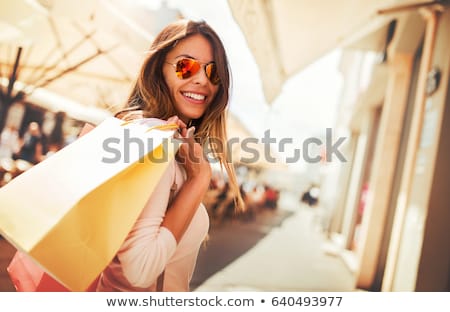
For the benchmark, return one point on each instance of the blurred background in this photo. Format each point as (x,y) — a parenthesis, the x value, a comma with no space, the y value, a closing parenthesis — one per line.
(351,191)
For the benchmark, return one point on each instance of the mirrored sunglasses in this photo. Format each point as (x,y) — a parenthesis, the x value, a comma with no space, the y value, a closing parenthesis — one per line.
(187,67)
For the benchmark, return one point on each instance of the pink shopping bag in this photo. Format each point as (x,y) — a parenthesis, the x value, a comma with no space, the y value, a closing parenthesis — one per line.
(26,275)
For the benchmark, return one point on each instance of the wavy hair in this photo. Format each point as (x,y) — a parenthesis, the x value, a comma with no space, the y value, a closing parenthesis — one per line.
(151,93)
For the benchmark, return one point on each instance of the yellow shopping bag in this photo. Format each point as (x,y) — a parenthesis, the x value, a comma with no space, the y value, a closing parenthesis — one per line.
(72,211)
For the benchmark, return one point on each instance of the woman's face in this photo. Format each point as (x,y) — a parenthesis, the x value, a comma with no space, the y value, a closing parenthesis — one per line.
(192,95)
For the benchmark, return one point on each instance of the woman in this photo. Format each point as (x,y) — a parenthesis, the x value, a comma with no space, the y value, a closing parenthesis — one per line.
(185,80)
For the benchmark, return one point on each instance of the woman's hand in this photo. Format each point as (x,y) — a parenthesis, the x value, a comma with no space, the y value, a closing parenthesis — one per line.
(191,155)
(182,128)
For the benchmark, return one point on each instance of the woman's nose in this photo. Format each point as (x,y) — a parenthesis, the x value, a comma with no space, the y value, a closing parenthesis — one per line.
(200,77)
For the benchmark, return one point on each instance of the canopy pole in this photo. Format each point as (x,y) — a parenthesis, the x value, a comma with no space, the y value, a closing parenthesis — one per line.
(13,76)
(8,99)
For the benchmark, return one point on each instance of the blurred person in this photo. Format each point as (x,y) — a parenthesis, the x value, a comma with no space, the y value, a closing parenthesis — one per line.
(32,146)
(56,138)
(9,142)
(271,196)
(311,196)
(256,197)
(184,79)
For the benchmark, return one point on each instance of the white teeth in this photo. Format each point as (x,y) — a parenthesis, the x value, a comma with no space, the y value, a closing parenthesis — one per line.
(194,96)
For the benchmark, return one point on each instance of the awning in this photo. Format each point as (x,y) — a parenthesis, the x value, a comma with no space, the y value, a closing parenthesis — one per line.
(287,35)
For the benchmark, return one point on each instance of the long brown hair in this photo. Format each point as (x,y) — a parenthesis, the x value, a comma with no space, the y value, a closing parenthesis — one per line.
(151,93)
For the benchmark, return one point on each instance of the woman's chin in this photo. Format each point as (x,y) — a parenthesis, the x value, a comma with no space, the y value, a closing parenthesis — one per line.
(193,115)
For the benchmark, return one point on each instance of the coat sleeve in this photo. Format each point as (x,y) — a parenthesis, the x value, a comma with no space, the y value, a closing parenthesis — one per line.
(149,246)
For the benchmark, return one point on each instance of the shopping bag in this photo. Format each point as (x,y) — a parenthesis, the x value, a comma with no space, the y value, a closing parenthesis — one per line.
(28,276)
(71,212)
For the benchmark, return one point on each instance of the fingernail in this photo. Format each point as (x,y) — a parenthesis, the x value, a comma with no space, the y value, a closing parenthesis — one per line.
(190,132)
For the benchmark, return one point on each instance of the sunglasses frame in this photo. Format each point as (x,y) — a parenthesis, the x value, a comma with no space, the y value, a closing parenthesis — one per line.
(204,65)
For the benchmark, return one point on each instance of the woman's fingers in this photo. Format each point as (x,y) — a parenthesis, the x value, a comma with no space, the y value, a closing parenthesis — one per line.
(176,120)
(173,119)
(190,154)
(190,133)
(181,134)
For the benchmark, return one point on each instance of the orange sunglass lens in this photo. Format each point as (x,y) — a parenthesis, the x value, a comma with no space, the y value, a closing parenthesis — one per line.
(211,73)
(186,68)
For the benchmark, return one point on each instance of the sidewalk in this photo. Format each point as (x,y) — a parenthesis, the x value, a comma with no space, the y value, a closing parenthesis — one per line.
(291,257)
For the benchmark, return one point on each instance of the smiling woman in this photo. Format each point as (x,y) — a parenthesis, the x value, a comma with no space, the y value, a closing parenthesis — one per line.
(184,80)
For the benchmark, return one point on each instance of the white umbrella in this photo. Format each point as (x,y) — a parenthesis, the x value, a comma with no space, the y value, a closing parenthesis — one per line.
(87,51)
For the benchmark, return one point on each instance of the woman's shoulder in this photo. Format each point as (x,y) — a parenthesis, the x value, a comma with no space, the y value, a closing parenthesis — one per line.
(130,113)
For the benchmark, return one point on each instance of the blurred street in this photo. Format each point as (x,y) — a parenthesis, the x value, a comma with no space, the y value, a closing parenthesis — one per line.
(278,250)
(288,252)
